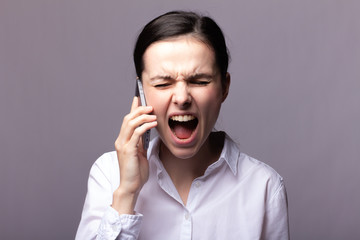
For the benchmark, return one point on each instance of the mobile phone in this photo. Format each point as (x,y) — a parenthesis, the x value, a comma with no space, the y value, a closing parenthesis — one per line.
(139,92)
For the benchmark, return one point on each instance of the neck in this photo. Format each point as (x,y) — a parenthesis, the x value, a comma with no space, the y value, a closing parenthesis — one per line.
(183,171)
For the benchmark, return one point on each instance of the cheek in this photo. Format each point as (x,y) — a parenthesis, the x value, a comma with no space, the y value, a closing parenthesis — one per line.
(150,97)
(210,98)
(158,102)
(210,102)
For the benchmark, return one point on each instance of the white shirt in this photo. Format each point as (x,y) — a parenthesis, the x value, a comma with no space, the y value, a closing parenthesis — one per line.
(238,197)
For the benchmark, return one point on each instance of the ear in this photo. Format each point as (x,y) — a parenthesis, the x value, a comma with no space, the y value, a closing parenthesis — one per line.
(225,87)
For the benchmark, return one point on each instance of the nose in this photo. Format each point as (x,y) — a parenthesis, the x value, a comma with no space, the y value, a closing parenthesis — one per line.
(181,95)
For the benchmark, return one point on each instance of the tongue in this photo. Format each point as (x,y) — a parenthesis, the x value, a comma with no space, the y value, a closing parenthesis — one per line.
(181,131)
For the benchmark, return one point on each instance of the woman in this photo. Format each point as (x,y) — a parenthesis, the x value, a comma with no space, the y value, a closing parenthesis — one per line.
(192,183)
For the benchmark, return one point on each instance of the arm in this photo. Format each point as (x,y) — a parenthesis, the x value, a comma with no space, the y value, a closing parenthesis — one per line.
(99,220)
(276,220)
(133,164)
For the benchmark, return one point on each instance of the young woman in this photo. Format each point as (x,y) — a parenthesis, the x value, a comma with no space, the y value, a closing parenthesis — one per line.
(193,182)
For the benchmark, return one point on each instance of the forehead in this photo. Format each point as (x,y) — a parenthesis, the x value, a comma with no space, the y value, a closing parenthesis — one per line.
(184,54)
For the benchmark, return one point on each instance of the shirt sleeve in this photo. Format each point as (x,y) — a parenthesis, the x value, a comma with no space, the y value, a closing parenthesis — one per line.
(276,221)
(112,224)
(99,220)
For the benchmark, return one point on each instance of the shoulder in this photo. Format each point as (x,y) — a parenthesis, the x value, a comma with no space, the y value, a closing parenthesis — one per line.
(243,163)
(107,167)
(247,161)
(106,161)
(254,172)
(253,167)
(261,177)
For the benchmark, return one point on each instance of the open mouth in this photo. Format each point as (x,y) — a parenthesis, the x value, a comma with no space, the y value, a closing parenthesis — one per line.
(183,125)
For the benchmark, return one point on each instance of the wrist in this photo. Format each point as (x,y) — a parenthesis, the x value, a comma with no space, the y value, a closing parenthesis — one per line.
(124,202)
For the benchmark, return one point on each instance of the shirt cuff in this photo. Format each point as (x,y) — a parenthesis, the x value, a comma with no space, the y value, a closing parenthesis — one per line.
(112,225)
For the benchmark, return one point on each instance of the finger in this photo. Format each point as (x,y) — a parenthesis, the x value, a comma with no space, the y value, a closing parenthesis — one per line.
(139,132)
(124,136)
(141,151)
(132,121)
(143,123)
(140,110)
(136,111)
(140,120)
(135,103)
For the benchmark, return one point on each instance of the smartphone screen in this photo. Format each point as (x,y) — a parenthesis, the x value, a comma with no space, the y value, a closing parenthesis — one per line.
(139,91)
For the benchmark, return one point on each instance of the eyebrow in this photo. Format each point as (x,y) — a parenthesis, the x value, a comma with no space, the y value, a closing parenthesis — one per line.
(188,78)
(161,77)
(199,76)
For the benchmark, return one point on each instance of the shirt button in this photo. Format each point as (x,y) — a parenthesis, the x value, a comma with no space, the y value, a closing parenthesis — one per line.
(187,216)
(197,184)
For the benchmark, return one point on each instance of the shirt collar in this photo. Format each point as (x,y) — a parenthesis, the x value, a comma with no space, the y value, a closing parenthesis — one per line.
(154,148)
(153,154)
(230,154)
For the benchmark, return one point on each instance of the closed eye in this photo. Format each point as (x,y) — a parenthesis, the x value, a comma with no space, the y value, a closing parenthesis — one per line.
(161,81)
(198,82)
(162,85)
(201,79)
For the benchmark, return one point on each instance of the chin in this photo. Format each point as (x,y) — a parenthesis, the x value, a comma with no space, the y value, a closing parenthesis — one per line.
(181,152)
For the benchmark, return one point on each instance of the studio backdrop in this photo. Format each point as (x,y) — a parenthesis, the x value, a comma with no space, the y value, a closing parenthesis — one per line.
(67,79)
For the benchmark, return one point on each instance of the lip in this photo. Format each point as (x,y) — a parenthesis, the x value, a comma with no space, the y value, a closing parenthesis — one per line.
(181,114)
(183,142)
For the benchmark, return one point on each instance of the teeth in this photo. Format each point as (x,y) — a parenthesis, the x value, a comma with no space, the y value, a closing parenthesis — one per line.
(182,118)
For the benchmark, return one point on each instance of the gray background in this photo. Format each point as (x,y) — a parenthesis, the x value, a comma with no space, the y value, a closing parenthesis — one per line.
(66,81)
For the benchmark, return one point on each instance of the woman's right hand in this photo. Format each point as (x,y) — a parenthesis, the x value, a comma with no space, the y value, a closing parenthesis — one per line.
(133,164)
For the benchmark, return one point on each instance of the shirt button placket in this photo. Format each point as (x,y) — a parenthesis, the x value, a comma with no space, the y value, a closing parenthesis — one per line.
(186,229)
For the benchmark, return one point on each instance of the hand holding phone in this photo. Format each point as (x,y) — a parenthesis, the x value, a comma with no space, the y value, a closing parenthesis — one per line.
(139,92)
(132,159)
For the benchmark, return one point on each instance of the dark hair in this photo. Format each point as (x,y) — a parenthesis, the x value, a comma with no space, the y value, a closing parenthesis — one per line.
(177,23)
